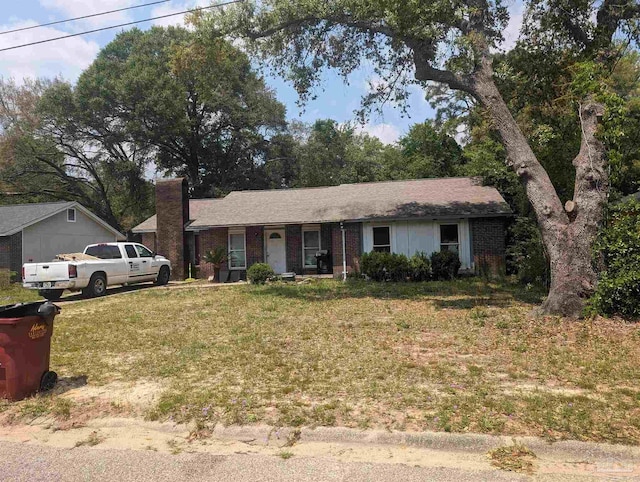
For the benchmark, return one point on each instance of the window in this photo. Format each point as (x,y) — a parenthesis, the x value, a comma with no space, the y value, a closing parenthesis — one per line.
(143,252)
(310,245)
(449,238)
(382,239)
(71,215)
(131,251)
(104,251)
(237,251)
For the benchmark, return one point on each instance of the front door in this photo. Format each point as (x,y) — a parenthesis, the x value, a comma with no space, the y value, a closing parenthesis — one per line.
(276,250)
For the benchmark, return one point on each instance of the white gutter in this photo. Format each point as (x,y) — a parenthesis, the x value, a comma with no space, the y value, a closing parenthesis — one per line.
(344,252)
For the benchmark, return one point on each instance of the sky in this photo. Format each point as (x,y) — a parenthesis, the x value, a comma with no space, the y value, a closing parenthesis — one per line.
(68,58)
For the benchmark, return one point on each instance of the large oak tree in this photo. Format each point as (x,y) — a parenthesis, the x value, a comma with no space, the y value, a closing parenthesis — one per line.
(453,42)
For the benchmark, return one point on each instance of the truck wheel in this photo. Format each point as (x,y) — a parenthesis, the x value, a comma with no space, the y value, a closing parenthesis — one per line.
(97,286)
(51,295)
(163,276)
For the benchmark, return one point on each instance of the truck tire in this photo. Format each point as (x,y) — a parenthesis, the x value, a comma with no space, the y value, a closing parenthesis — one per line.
(51,295)
(163,276)
(97,286)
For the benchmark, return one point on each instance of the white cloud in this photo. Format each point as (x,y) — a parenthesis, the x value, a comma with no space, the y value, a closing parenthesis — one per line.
(66,57)
(375,84)
(512,30)
(79,8)
(387,133)
(174,7)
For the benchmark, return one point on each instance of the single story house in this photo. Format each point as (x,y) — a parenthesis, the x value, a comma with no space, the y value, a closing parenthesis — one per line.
(286,227)
(38,232)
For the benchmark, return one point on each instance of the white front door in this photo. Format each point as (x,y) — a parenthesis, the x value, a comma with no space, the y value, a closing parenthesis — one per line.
(276,250)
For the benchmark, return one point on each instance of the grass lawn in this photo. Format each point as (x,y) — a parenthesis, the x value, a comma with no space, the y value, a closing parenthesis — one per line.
(15,293)
(460,356)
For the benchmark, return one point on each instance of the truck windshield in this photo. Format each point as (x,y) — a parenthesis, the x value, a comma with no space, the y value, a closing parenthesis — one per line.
(104,251)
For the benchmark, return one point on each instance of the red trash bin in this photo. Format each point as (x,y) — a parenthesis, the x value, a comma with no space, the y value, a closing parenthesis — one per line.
(25,347)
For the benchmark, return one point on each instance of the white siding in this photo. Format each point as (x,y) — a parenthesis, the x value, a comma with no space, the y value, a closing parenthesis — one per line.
(410,237)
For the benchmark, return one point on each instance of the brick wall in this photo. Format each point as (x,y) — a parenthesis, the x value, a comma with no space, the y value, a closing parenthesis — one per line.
(172,211)
(293,237)
(255,245)
(488,245)
(11,253)
(149,240)
(353,234)
(208,240)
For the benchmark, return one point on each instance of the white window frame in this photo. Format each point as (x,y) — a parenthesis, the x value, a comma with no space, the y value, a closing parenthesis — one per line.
(440,243)
(229,250)
(308,229)
(75,215)
(373,238)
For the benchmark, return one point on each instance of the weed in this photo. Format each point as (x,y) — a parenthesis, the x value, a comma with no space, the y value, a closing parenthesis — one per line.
(285,454)
(93,439)
(514,458)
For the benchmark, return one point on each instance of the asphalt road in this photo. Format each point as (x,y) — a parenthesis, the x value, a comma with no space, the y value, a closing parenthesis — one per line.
(33,463)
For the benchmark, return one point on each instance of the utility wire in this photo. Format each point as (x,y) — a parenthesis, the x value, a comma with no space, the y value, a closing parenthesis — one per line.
(83,17)
(119,25)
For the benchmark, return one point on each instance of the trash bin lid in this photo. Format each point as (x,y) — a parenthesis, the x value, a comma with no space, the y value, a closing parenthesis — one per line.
(20,310)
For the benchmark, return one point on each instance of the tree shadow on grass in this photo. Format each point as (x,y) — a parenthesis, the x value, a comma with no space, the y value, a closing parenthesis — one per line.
(460,293)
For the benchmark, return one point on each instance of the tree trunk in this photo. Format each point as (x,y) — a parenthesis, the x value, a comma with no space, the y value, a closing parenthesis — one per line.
(568,236)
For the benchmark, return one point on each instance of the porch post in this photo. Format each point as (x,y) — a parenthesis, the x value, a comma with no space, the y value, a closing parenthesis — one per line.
(344,252)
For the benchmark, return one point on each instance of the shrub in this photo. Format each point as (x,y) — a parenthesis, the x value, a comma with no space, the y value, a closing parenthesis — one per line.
(259,273)
(618,294)
(445,265)
(385,266)
(420,266)
(618,250)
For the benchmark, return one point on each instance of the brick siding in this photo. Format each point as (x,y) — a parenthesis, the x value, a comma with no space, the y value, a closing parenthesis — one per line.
(488,245)
(353,235)
(293,237)
(149,240)
(11,254)
(172,210)
(255,245)
(210,239)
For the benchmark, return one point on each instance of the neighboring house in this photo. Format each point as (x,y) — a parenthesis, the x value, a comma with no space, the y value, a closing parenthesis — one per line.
(286,227)
(40,231)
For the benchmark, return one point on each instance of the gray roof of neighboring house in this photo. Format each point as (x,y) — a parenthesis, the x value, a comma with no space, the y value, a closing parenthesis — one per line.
(15,217)
(421,198)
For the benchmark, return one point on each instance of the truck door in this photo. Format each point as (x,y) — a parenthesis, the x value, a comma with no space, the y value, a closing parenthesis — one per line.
(135,264)
(148,266)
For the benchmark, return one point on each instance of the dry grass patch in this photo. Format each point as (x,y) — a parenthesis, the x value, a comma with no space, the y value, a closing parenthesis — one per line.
(513,458)
(460,356)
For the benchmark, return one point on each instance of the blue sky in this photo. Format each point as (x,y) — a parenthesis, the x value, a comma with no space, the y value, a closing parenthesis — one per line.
(67,58)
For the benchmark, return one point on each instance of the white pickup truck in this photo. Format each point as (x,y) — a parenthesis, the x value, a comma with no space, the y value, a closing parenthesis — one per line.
(115,264)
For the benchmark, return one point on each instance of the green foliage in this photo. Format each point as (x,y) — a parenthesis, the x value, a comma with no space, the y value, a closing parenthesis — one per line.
(260,273)
(193,100)
(216,256)
(380,266)
(525,252)
(617,294)
(445,265)
(618,249)
(420,267)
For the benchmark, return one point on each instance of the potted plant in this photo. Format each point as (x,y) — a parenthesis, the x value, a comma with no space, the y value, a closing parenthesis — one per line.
(216,257)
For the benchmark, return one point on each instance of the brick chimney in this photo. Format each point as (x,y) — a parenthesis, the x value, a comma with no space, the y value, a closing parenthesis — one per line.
(172,213)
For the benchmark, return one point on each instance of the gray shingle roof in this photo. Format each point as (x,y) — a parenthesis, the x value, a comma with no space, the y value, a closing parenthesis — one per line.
(422,198)
(16,216)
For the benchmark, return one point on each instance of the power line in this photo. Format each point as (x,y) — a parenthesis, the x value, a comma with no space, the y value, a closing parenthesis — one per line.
(83,17)
(119,25)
